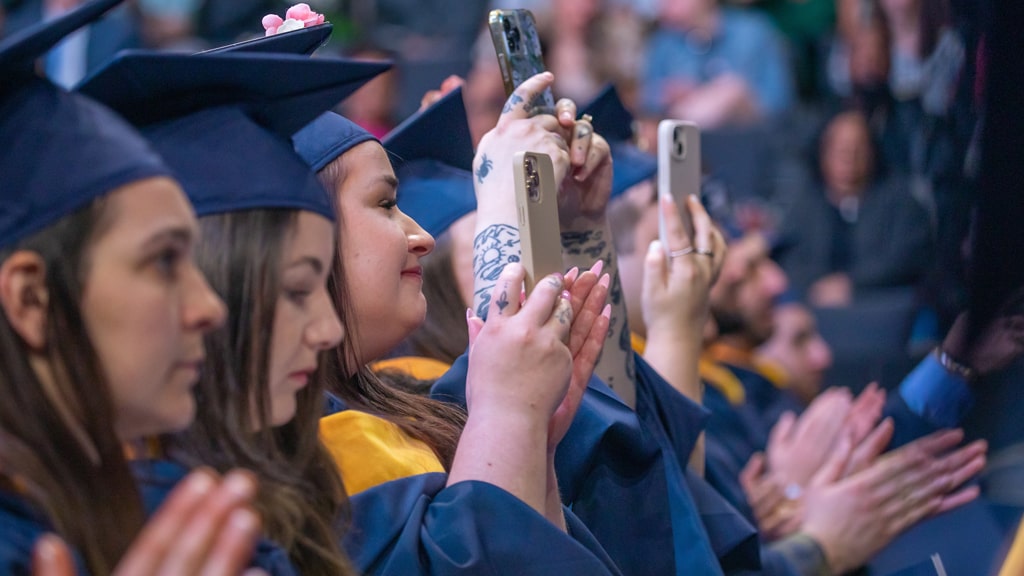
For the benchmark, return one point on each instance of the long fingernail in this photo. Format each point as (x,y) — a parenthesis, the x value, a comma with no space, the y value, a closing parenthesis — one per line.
(566,295)
(607,312)
(597,268)
(240,484)
(605,280)
(469,313)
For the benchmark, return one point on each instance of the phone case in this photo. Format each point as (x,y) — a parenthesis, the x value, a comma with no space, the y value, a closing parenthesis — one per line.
(679,167)
(514,33)
(537,208)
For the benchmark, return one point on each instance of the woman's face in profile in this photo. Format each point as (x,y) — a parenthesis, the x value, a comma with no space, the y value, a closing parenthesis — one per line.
(146,306)
(305,320)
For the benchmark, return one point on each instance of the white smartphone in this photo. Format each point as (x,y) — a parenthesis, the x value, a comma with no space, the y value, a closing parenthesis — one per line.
(537,207)
(679,168)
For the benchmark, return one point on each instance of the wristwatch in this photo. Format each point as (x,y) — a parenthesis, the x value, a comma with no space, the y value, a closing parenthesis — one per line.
(953,366)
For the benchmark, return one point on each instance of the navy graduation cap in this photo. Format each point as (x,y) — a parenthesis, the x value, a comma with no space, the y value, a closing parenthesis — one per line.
(70,150)
(321,141)
(301,41)
(612,121)
(432,152)
(439,132)
(222,121)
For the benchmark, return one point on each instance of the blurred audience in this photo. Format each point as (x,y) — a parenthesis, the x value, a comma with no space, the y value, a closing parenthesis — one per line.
(856,230)
(798,349)
(715,65)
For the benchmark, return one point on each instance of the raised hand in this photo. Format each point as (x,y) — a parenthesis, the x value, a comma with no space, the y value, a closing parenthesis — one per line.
(519,371)
(204,528)
(853,518)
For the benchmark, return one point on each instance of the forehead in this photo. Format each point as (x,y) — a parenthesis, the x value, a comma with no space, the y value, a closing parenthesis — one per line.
(144,205)
(366,165)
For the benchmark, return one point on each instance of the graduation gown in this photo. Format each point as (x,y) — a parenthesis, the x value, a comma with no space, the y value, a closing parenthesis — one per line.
(619,473)
(20,527)
(157,478)
(417,525)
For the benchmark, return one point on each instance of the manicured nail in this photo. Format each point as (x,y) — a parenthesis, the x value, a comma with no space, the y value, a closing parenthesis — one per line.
(566,295)
(597,268)
(469,314)
(605,280)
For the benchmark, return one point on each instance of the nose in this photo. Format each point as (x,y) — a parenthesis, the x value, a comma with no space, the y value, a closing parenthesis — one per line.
(203,309)
(421,242)
(326,331)
(821,354)
(774,278)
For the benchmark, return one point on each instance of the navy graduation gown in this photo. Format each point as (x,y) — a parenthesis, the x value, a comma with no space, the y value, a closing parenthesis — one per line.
(619,474)
(20,527)
(680,421)
(157,478)
(416,525)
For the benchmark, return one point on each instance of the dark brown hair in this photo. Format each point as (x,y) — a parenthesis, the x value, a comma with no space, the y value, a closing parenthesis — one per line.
(434,423)
(58,444)
(301,494)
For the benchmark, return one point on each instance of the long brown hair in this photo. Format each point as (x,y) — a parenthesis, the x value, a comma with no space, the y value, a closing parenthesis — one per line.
(301,494)
(58,444)
(434,423)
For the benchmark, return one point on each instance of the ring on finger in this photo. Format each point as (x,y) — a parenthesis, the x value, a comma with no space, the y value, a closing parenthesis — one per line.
(683,252)
(702,252)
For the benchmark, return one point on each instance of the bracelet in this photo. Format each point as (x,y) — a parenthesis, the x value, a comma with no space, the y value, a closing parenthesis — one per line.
(953,366)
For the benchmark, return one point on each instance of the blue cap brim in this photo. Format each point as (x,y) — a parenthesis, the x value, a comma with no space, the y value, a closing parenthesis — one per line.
(282,92)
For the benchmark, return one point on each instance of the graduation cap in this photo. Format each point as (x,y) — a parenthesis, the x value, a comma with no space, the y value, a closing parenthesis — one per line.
(20,50)
(274,89)
(70,150)
(325,139)
(612,121)
(222,121)
(432,152)
(439,132)
(301,41)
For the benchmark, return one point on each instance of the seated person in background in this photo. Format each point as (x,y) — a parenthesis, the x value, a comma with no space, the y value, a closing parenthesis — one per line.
(715,66)
(798,349)
(855,231)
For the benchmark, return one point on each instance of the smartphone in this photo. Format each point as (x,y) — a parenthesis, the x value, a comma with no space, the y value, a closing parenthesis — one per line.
(514,33)
(537,207)
(679,168)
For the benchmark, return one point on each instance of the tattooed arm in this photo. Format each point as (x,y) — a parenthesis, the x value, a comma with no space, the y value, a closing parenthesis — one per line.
(582,247)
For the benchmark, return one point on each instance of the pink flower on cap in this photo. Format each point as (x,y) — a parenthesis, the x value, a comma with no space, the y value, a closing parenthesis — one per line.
(297,17)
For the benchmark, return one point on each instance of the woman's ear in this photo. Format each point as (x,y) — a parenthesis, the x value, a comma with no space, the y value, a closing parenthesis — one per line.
(23,296)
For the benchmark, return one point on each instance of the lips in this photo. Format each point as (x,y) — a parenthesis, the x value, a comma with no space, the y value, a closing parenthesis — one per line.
(413,272)
(301,377)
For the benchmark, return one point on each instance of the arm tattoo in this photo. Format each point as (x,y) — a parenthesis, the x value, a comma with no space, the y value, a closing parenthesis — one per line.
(511,103)
(588,242)
(493,249)
(484,169)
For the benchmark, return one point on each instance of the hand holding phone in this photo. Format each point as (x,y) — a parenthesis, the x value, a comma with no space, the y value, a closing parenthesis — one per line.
(679,168)
(537,211)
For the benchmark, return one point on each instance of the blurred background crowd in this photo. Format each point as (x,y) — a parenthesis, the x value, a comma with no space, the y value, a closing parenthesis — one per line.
(846,131)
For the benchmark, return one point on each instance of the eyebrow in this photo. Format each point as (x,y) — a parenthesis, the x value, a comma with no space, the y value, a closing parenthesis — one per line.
(181,234)
(389,180)
(312,262)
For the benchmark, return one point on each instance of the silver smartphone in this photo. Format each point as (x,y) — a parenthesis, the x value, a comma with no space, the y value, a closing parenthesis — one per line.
(537,208)
(679,168)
